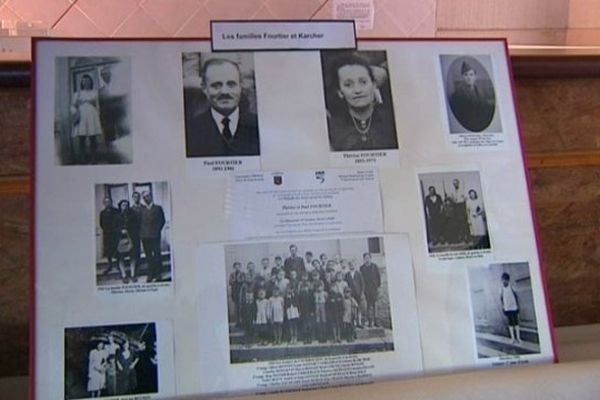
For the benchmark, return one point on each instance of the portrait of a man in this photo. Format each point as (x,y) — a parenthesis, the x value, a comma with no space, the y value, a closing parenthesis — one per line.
(220,108)
(470,95)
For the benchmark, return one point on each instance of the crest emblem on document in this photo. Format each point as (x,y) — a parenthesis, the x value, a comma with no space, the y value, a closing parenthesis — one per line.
(278,180)
(320,176)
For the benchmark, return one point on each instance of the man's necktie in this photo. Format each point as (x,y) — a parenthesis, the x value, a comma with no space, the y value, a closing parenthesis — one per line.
(226,131)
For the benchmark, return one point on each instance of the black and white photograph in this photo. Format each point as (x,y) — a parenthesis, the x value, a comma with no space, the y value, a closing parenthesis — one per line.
(503,310)
(91,111)
(133,231)
(219,94)
(112,360)
(307,298)
(455,213)
(360,111)
(470,94)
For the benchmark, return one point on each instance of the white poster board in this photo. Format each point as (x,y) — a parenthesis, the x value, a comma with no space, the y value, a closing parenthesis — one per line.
(116,120)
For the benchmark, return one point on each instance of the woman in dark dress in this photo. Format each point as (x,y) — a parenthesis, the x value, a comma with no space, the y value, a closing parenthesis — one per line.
(128,221)
(126,363)
(361,122)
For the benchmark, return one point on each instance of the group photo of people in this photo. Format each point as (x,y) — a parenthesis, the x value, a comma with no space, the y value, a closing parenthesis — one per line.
(454,211)
(358,98)
(503,310)
(470,96)
(220,105)
(288,300)
(104,361)
(133,223)
(92,122)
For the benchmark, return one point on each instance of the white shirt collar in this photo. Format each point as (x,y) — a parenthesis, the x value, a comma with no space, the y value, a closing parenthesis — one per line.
(234,117)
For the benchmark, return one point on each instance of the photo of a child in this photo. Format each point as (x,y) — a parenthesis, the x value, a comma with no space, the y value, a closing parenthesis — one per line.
(503,310)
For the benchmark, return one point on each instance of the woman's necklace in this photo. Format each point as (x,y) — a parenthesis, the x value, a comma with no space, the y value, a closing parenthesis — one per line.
(362,125)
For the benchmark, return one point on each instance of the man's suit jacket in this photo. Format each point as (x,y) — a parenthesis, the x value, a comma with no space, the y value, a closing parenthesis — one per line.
(296,264)
(203,138)
(152,222)
(356,283)
(109,221)
(371,277)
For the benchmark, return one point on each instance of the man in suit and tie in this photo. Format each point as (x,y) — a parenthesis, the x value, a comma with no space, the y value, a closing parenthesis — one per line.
(294,263)
(134,232)
(225,129)
(151,224)
(372,281)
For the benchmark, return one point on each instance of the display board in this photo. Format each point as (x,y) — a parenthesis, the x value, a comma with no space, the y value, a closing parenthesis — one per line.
(223,223)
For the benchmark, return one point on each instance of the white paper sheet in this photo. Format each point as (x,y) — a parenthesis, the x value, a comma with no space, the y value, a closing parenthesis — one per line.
(274,204)
(229,364)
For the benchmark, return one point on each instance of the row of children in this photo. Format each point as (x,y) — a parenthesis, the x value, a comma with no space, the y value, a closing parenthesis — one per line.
(311,315)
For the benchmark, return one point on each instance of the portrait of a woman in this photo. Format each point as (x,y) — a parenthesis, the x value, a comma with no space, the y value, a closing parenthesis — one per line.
(91,111)
(85,112)
(360,116)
